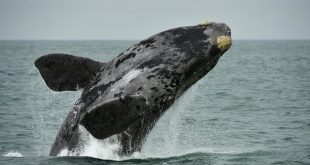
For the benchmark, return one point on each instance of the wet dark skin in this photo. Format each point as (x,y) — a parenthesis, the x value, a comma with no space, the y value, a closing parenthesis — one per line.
(126,96)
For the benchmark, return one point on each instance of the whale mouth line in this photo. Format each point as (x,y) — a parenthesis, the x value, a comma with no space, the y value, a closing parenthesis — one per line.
(223,42)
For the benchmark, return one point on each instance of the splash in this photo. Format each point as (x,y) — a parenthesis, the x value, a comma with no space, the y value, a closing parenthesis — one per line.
(103,149)
(164,140)
(48,109)
(13,154)
(106,149)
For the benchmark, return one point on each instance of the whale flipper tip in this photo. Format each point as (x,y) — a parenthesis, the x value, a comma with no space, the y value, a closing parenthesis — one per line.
(63,72)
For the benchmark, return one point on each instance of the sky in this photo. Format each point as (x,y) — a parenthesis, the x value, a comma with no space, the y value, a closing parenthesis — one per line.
(139,19)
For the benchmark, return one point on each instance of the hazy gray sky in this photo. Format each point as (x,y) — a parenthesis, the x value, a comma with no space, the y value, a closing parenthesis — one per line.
(138,19)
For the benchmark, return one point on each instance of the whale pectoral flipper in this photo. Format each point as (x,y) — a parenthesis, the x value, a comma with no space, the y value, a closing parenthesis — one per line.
(114,116)
(63,72)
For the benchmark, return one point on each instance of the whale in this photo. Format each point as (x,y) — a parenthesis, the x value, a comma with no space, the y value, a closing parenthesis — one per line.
(126,96)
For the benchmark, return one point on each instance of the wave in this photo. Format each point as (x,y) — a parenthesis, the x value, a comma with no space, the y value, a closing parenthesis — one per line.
(253,157)
(13,154)
(190,158)
(200,158)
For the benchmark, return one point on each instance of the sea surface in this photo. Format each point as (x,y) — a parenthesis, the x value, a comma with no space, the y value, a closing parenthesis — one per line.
(252,108)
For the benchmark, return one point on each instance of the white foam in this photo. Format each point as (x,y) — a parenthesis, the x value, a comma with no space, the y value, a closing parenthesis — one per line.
(214,151)
(13,154)
(106,149)
(102,149)
(64,152)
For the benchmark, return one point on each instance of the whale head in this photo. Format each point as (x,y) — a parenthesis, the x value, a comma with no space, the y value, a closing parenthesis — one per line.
(199,48)
(206,39)
(219,35)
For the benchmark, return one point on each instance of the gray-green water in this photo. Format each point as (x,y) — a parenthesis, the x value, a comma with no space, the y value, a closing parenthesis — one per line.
(252,108)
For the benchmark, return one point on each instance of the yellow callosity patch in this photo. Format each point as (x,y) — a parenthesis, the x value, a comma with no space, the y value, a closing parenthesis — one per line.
(205,23)
(223,42)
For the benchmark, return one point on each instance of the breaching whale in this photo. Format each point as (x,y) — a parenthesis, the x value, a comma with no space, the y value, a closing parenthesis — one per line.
(126,96)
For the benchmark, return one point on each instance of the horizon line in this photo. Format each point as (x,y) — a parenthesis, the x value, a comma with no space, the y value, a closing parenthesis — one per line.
(269,39)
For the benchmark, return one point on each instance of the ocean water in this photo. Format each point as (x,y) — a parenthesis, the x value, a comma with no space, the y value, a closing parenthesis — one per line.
(252,108)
